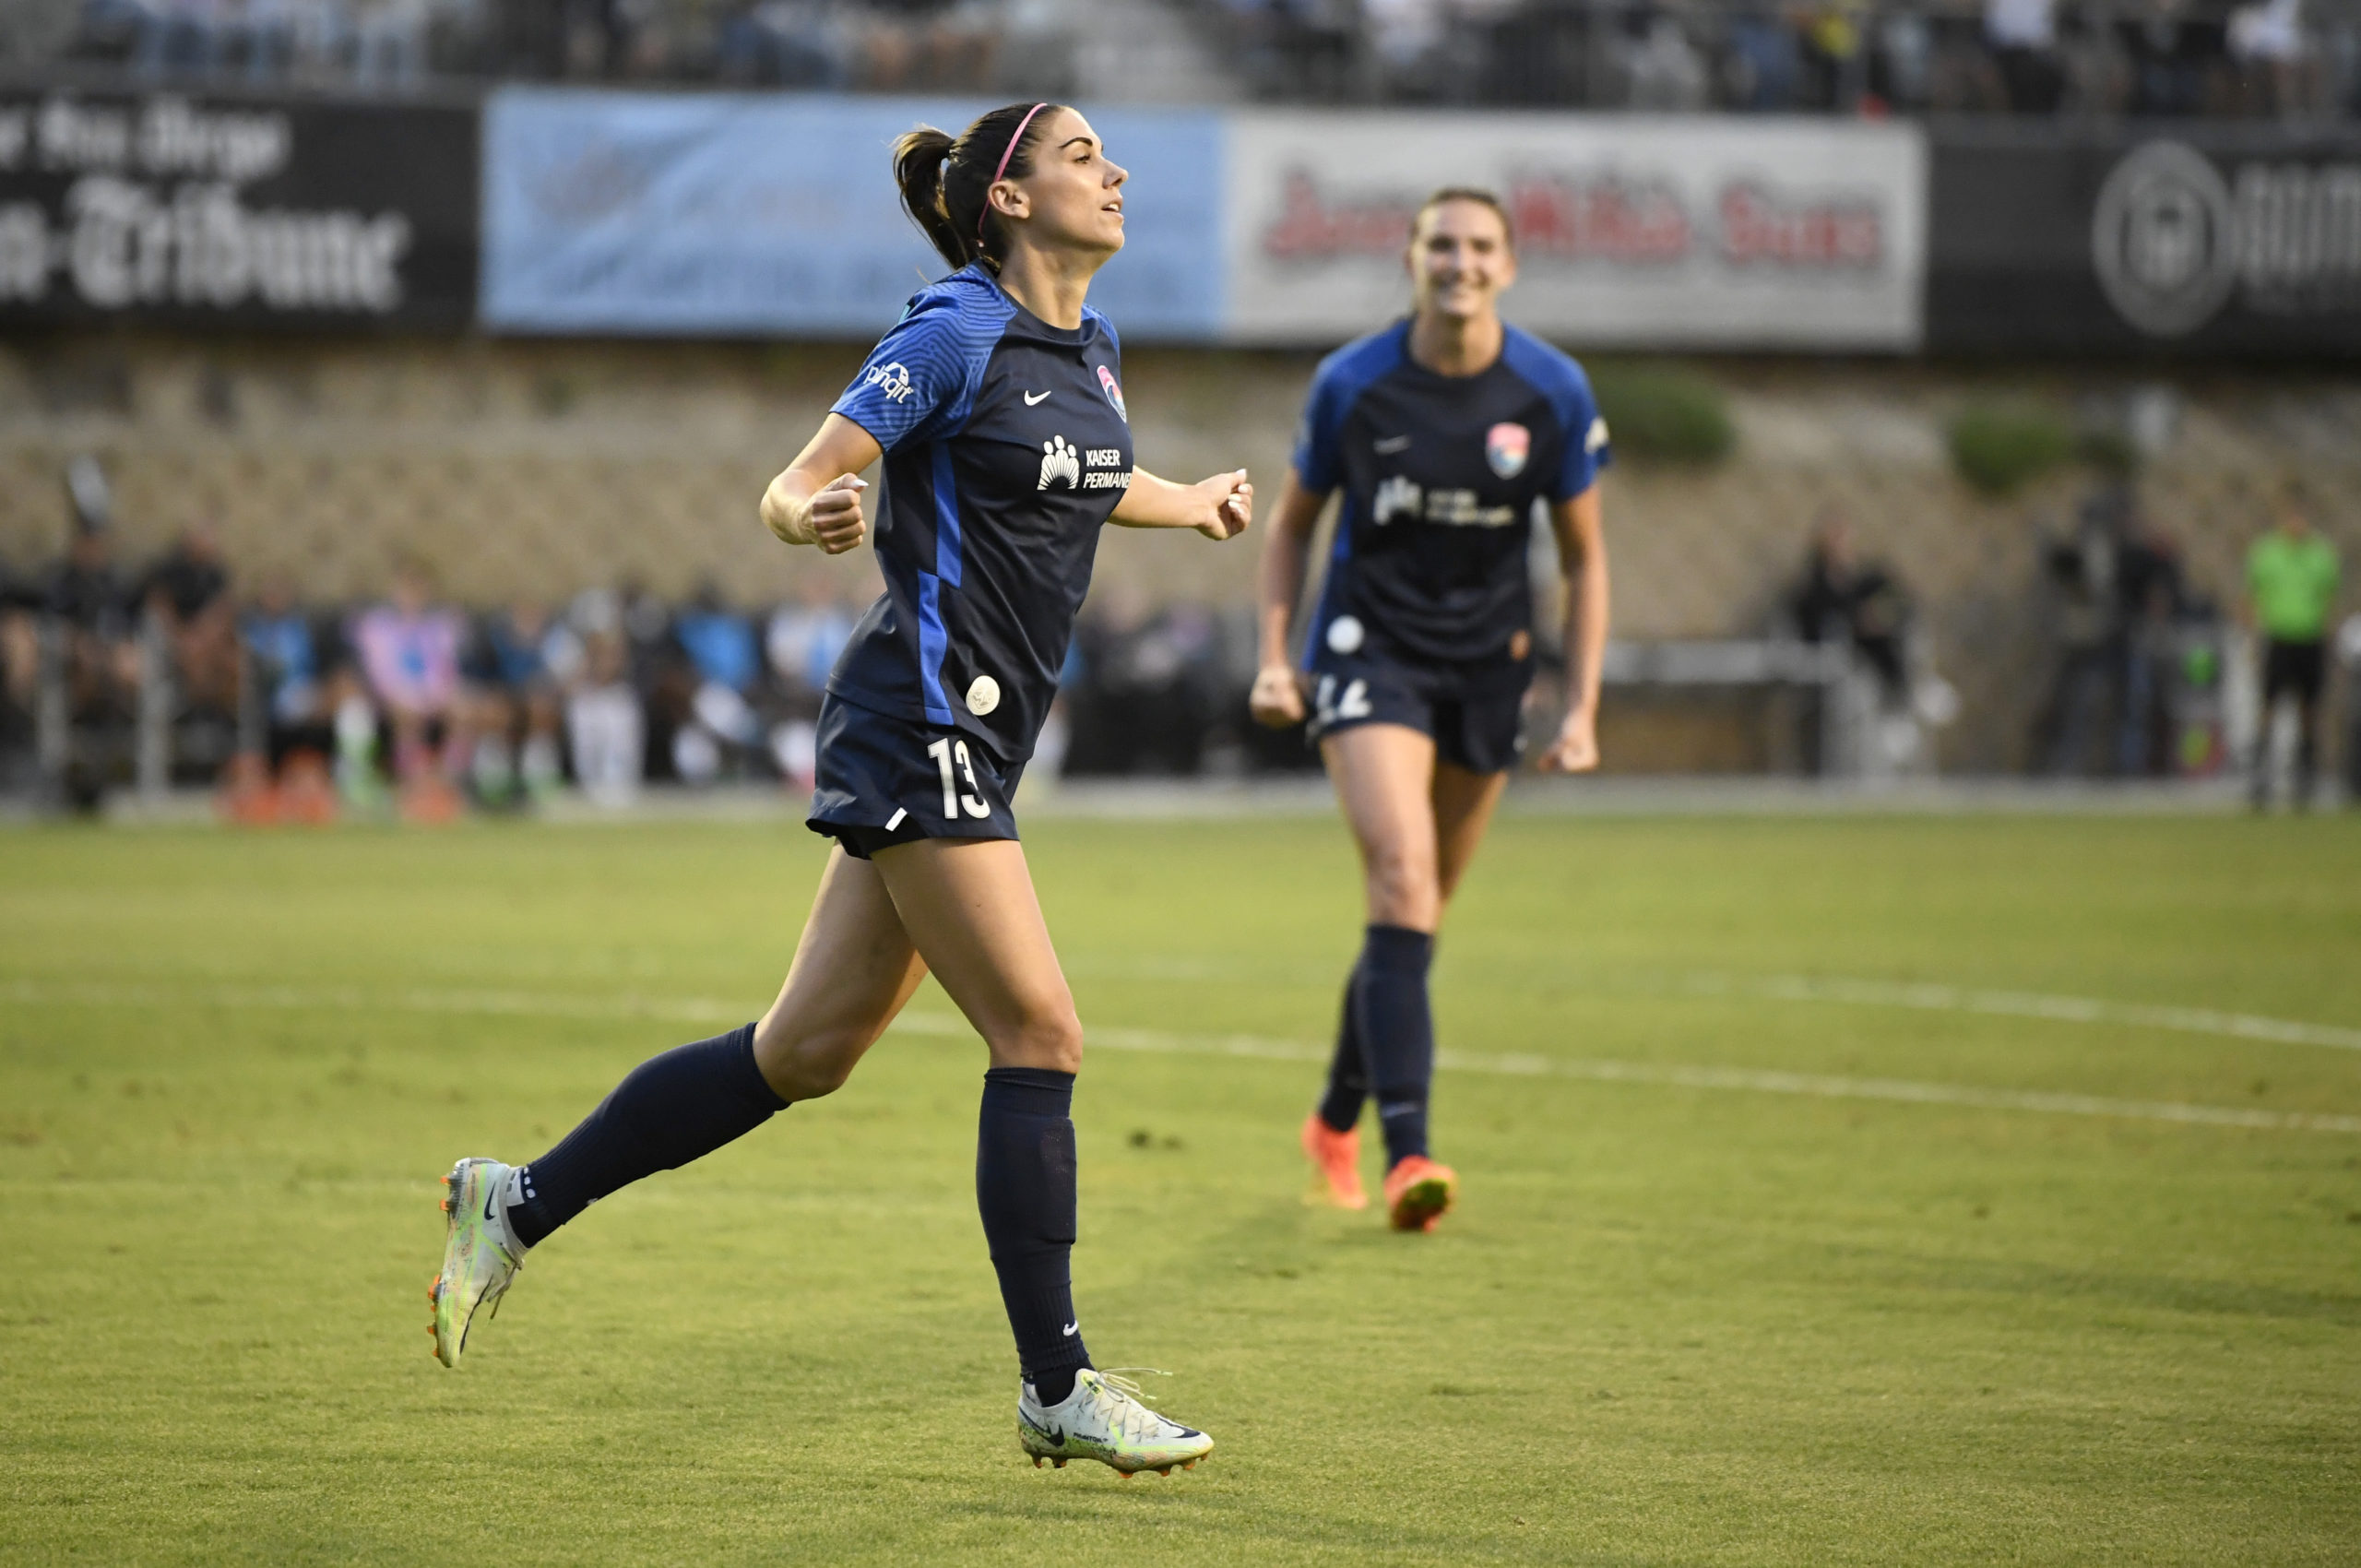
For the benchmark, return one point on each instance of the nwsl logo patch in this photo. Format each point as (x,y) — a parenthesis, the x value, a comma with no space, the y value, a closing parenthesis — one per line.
(1506,446)
(1114,393)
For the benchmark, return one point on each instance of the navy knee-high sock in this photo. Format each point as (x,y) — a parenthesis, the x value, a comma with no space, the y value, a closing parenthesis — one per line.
(1397,1031)
(1024,1189)
(1340,1106)
(665,1113)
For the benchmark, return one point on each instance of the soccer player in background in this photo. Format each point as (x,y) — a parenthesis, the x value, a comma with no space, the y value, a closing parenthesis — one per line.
(2291,589)
(1444,431)
(996,405)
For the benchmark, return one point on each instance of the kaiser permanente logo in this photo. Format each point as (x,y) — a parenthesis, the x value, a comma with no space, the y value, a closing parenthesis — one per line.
(2172,239)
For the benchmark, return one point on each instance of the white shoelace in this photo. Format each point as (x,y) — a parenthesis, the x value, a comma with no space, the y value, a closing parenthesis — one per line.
(1121,1402)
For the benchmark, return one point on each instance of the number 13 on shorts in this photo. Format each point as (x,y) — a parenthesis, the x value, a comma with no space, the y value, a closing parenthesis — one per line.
(945,753)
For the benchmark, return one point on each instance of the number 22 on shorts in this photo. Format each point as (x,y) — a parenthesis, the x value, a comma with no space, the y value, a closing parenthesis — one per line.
(1354,704)
(945,753)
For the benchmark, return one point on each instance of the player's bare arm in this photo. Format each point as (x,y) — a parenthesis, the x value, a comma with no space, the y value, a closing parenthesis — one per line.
(816,498)
(1277,698)
(1582,559)
(1219,507)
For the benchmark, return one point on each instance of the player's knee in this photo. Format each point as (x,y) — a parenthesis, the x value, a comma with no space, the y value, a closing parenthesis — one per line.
(808,1066)
(1050,1036)
(1403,889)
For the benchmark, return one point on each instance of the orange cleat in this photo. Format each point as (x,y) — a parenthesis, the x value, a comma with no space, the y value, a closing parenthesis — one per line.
(1338,1157)
(1418,1193)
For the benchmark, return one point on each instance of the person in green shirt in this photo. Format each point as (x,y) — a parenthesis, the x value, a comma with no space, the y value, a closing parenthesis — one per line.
(2291,588)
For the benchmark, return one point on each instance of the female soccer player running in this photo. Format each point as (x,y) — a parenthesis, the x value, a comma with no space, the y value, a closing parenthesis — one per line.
(996,405)
(1443,431)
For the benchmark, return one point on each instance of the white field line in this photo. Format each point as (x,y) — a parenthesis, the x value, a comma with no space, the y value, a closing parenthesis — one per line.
(1160,1043)
(1927,998)
(2025,1005)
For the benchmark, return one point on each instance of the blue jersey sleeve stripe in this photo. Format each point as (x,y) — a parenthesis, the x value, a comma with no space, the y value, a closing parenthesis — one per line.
(923,376)
(1336,385)
(934,642)
(1560,379)
(948,546)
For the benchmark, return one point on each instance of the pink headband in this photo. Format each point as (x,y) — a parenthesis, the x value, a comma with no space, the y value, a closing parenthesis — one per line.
(1005,154)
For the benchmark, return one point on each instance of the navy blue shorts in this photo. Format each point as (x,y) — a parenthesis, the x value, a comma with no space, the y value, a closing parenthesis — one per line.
(1476,720)
(882,782)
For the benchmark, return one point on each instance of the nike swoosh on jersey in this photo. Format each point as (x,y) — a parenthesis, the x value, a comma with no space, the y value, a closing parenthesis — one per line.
(1033,398)
(1390,446)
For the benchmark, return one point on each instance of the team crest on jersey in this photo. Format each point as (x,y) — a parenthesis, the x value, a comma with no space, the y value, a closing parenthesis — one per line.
(1506,446)
(1114,393)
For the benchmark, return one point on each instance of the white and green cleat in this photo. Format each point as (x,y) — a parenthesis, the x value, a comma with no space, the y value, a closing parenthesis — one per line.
(1103,1420)
(479,1258)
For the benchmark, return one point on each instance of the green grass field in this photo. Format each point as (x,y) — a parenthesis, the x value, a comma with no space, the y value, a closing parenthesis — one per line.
(1855,1293)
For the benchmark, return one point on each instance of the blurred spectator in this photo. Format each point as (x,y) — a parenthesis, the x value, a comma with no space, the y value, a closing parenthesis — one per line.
(604,722)
(778,43)
(1662,70)
(1843,599)
(2266,43)
(2151,602)
(2291,585)
(188,590)
(85,593)
(517,706)
(409,656)
(2023,36)
(2171,54)
(721,726)
(1763,64)
(2082,570)
(285,650)
(801,642)
(1145,686)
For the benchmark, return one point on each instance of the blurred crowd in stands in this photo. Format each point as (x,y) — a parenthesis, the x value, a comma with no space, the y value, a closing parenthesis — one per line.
(2135,57)
(302,710)
(882,45)
(176,675)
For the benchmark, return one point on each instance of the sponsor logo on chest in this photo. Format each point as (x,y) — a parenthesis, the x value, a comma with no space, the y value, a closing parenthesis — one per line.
(1077,468)
(1400,497)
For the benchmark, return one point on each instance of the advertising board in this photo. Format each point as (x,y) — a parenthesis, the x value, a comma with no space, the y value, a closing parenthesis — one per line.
(777,215)
(218,210)
(1632,231)
(2200,241)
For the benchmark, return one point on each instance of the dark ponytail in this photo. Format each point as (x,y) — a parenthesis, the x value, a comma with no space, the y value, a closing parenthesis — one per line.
(944,182)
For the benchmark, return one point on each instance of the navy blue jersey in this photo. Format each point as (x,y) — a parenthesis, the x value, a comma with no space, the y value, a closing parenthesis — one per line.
(1007,448)
(1440,475)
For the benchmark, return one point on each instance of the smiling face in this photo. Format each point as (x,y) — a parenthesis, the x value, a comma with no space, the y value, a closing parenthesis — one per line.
(1074,196)
(1459,261)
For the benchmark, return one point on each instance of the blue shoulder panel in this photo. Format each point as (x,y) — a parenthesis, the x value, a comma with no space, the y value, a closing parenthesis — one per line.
(1336,385)
(1557,377)
(921,377)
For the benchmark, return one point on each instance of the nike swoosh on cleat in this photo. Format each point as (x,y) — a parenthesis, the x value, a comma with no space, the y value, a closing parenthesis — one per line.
(1033,398)
(1050,1434)
(490,1198)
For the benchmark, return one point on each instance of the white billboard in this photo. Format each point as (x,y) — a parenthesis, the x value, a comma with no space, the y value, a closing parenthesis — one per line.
(1632,231)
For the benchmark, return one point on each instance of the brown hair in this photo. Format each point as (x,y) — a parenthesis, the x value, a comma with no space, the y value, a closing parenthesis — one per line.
(1476,194)
(945,183)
